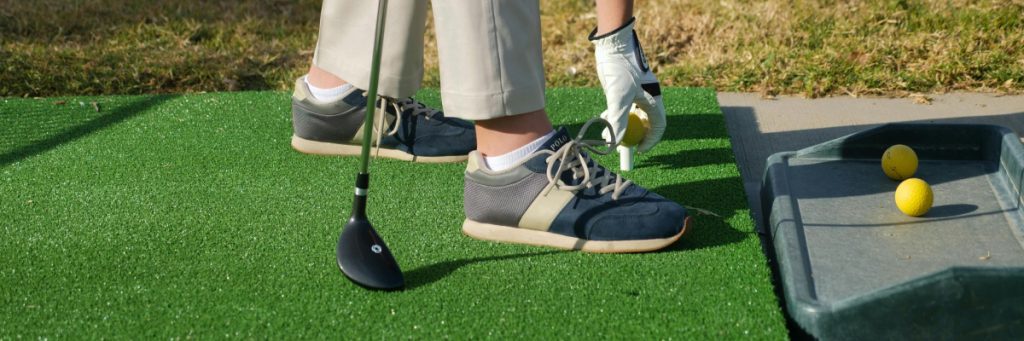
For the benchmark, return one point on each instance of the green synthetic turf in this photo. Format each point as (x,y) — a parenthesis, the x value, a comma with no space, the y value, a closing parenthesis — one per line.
(190,216)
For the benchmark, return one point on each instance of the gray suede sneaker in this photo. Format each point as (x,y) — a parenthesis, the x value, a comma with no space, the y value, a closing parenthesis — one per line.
(559,197)
(404,130)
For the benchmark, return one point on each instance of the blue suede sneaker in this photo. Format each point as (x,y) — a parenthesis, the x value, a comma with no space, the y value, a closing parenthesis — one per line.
(404,130)
(559,197)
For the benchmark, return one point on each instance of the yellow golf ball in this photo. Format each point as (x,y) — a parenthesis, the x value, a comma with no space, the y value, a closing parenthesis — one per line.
(899,162)
(914,197)
(636,129)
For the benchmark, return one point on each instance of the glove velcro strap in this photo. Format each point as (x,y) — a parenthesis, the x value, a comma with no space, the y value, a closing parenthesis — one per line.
(622,40)
(652,88)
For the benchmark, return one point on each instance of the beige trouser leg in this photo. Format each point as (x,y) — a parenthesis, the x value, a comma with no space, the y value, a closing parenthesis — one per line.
(489,51)
(490,56)
(345,44)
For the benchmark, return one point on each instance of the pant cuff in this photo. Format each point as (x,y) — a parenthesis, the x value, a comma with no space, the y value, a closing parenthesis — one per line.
(487,106)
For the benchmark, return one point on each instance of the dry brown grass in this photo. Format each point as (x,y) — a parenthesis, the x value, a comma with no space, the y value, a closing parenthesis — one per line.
(813,48)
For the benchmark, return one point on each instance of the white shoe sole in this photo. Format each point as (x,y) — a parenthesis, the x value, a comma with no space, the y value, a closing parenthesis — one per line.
(325,148)
(498,233)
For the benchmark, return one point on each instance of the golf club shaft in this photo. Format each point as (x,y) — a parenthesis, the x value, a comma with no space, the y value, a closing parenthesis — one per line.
(363,178)
(371,97)
(361,253)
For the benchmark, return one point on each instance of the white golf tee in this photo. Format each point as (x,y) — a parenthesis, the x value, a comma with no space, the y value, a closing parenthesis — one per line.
(626,157)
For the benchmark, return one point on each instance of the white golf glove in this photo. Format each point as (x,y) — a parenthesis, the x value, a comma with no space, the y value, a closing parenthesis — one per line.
(627,79)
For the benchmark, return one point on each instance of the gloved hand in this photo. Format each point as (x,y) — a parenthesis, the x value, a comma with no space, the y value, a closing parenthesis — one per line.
(627,79)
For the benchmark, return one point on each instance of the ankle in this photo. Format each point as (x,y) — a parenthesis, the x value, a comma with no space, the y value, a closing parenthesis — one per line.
(320,78)
(505,161)
(498,136)
(327,94)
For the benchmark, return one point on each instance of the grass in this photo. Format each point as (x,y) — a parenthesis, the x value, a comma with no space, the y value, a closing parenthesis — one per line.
(189,216)
(809,48)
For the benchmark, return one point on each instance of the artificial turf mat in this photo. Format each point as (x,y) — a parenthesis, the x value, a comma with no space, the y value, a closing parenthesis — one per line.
(191,216)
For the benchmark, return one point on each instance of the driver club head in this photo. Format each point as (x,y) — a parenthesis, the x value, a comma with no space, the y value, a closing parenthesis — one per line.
(365,259)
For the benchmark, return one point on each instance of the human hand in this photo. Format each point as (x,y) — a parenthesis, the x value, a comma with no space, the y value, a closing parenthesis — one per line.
(627,79)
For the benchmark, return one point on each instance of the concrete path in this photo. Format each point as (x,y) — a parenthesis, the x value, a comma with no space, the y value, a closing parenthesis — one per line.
(760,127)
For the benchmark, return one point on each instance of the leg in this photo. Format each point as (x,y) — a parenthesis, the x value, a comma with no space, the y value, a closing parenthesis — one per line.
(322,78)
(554,194)
(345,45)
(329,107)
(492,71)
(504,134)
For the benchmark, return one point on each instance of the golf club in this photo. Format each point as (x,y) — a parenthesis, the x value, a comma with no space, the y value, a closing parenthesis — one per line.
(362,255)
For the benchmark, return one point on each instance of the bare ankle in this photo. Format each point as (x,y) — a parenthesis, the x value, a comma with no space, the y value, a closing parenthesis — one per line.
(321,78)
(501,135)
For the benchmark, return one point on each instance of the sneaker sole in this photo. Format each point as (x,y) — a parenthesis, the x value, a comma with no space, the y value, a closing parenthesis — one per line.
(498,233)
(326,148)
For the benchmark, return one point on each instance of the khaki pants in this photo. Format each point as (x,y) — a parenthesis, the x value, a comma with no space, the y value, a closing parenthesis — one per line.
(489,51)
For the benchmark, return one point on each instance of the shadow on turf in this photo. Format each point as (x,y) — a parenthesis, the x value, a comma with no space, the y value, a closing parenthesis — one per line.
(73,133)
(722,197)
(682,127)
(426,275)
(689,158)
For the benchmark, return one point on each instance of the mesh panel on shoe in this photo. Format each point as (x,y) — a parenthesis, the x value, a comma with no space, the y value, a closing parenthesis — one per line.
(501,205)
(339,124)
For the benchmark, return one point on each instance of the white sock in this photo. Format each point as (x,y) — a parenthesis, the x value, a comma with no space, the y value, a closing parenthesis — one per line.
(507,160)
(327,94)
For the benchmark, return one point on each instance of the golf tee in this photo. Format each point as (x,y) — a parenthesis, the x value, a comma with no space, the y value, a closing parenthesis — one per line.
(626,157)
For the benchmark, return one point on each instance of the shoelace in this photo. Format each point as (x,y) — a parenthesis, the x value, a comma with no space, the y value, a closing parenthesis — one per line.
(571,157)
(400,106)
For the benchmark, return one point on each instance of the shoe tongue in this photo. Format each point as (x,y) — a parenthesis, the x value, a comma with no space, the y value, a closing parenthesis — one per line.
(555,142)
(539,163)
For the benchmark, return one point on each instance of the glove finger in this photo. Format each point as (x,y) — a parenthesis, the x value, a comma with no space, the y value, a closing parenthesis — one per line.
(655,110)
(617,122)
(619,91)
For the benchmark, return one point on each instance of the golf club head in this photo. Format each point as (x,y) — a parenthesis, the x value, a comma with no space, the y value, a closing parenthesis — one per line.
(365,259)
